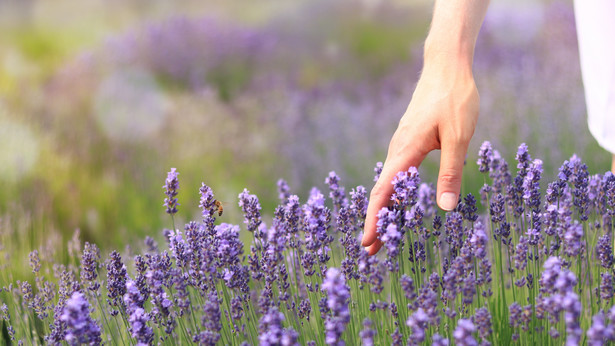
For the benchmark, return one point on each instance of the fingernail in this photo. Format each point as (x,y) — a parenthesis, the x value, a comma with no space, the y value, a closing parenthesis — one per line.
(448,201)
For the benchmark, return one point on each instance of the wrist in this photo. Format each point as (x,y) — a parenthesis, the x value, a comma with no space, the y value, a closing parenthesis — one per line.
(450,52)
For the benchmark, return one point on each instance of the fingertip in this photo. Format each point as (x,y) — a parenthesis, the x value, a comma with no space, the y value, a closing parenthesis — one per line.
(375,247)
(447,201)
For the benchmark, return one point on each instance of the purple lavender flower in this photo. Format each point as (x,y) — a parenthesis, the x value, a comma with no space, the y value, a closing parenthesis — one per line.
(211,313)
(572,313)
(336,192)
(392,239)
(469,208)
(359,204)
(35,262)
(367,334)
(600,331)
(143,334)
(80,328)
(520,316)
(523,160)
(428,301)
(405,187)
(418,323)
(133,298)
(116,281)
(485,155)
(251,209)
(140,277)
(482,320)
(454,230)
(469,288)
(606,286)
(273,333)
(552,269)
(283,191)
(605,251)
(229,246)
(521,253)
(531,185)
(396,338)
(438,340)
(479,241)
(152,245)
(89,266)
(171,186)
(407,285)
(573,239)
(427,199)
(463,333)
(207,203)
(496,210)
(338,295)
(377,170)
(317,218)
(304,309)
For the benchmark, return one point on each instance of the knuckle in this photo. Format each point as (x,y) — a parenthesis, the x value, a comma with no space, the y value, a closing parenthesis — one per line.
(377,191)
(449,178)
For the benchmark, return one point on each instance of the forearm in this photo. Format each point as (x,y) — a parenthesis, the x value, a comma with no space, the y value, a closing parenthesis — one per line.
(454,29)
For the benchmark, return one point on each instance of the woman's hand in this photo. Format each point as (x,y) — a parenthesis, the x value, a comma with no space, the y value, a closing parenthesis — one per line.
(442,115)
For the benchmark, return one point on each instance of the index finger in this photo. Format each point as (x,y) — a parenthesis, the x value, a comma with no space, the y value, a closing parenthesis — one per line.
(380,196)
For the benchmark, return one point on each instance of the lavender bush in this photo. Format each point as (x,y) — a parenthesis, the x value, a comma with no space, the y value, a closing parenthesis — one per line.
(535,267)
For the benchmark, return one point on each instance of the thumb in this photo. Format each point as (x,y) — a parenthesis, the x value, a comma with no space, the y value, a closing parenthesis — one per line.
(451,168)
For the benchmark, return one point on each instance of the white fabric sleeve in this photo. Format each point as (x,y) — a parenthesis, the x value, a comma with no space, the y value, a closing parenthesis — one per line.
(595,20)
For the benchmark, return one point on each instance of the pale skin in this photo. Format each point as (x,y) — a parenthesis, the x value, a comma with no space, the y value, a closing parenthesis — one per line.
(442,113)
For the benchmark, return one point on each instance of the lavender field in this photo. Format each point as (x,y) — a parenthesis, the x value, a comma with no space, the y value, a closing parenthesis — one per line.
(96,108)
(536,268)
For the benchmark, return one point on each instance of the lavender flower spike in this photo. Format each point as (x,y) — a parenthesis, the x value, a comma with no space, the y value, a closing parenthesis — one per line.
(171,186)
(485,156)
(463,333)
(338,295)
(80,328)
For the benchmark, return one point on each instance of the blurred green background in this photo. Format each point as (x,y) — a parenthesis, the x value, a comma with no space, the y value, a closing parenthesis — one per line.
(99,99)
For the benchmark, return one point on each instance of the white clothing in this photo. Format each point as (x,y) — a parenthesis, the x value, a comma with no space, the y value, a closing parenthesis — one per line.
(595,20)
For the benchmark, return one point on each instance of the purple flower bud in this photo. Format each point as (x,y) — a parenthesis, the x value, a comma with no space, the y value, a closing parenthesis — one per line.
(283,191)
(521,254)
(573,239)
(605,252)
(438,340)
(479,241)
(367,334)
(418,323)
(405,187)
(251,209)
(606,286)
(338,295)
(485,155)
(116,280)
(89,267)
(336,192)
(35,262)
(377,170)
(599,332)
(482,320)
(171,186)
(463,333)
(80,328)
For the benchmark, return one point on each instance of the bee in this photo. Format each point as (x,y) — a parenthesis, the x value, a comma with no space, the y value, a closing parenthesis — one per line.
(219,207)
